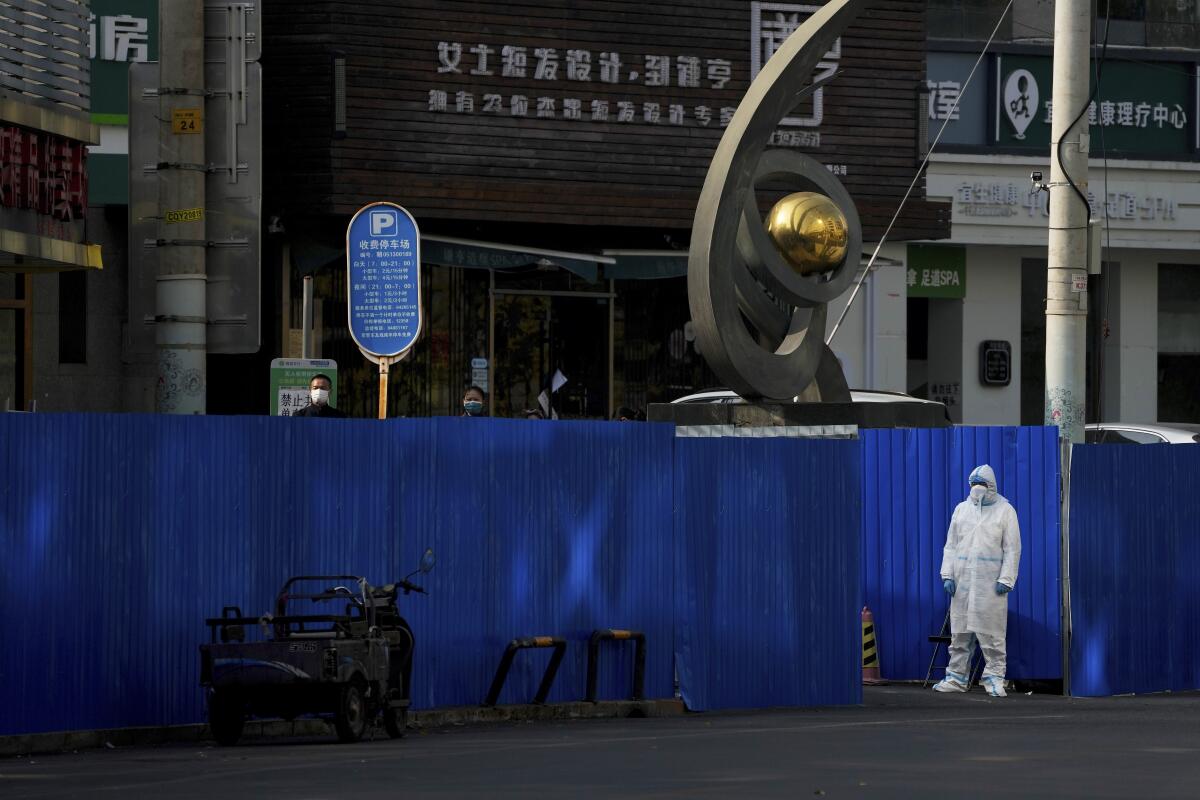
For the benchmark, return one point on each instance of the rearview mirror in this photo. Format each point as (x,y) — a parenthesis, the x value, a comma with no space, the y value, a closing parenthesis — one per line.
(427,560)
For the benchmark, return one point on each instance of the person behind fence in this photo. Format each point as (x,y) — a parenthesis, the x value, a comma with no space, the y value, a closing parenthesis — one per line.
(472,402)
(979,569)
(318,395)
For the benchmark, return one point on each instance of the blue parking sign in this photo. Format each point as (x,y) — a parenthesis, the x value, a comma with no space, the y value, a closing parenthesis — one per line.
(383,263)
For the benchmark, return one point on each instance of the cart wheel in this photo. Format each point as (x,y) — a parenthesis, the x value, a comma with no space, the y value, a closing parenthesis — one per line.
(351,718)
(395,720)
(226,717)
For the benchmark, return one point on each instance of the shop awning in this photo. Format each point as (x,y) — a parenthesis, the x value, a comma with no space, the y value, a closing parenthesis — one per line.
(647,264)
(473,254)
(309,255)
(27,252)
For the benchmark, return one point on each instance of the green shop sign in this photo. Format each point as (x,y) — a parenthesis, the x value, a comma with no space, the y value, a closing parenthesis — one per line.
(936,271)
(1139,109)
(121,32)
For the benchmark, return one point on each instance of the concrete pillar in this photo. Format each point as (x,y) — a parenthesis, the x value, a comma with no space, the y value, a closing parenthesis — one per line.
(991,310)
(872,341)
(887,364)
(1131,352)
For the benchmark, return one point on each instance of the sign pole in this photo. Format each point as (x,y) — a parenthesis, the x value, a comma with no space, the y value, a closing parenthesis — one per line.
(384,361)
(383,278)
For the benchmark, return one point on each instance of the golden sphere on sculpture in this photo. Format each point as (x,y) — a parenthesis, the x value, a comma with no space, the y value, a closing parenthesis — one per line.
(810,231)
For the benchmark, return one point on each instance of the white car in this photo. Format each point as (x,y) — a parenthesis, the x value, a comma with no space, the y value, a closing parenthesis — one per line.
(1139,433)
(856,396)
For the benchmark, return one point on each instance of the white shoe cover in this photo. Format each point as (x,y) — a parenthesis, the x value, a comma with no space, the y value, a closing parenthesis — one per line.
(995,686)
(949,685)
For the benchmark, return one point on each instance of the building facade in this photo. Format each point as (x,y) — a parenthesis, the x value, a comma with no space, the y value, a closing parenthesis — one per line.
(553,155)
(45,129)
(988,281)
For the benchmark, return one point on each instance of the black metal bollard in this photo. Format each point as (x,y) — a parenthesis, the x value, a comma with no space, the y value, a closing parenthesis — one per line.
(639,660)
(560,648)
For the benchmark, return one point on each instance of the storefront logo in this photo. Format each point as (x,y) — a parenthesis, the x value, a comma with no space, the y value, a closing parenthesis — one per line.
(121,38)
(770,26)
(1020,100)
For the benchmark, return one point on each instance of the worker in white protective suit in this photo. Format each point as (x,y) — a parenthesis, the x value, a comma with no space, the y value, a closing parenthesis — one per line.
(979,569)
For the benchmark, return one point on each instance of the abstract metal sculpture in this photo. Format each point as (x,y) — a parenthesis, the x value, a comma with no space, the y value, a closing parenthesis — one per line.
(759,294)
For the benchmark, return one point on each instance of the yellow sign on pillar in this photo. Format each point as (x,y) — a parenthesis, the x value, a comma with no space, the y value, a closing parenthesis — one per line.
(187,120)
(184,215)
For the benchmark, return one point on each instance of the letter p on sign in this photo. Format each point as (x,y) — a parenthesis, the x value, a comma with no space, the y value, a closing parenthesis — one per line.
(384,223)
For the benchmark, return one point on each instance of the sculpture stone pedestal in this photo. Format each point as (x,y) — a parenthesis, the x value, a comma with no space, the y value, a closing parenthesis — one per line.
(771,414)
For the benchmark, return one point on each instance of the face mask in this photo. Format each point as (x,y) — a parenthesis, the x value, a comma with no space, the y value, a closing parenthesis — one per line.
(977,493)
(473,407)
(319,396)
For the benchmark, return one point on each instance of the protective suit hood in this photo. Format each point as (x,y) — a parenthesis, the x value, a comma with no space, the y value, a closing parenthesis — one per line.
(984,472)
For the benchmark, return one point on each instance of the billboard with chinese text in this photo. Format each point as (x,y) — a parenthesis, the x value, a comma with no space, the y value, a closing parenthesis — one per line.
(1141,108)
(562,113)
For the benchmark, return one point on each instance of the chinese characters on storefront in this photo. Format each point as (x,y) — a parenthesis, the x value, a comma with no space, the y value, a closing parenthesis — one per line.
(1133,113)
(770,26)
(578,69)
(44,174)
(936,271)
(979,199)
(1142,108)
(120,37)
(682,80)
(947,394)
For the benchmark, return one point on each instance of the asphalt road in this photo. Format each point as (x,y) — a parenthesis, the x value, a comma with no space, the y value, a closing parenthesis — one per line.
(904,742)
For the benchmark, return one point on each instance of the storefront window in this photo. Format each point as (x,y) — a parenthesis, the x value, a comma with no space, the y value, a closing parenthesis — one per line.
(547,320)
(431,379)
(657,359)
(551,321)
(1179,343)
(918,347)
(1033,341)
(1125,9)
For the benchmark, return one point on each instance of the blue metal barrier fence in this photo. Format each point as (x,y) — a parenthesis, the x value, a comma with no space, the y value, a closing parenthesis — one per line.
(913,479)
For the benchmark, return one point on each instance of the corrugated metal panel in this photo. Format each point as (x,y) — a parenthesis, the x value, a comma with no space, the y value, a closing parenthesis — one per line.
(1134,551)
(767,576)
(913,479)
(120,534)
(44,51)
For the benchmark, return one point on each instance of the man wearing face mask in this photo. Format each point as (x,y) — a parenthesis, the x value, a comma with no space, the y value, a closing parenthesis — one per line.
(979,569)
(473,402)
(318,393)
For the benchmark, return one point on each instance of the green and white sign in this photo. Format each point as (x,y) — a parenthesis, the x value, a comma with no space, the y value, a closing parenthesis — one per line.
(290,378)
(1144,109)
(937,271)
(120,33)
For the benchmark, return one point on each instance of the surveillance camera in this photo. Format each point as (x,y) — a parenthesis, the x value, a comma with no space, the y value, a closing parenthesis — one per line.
(1035,176)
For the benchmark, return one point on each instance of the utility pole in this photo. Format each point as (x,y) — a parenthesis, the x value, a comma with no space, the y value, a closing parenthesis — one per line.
(1066,279)
(181,313)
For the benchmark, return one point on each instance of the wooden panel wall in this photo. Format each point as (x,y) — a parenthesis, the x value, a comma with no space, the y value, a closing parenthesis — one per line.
(494,166)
